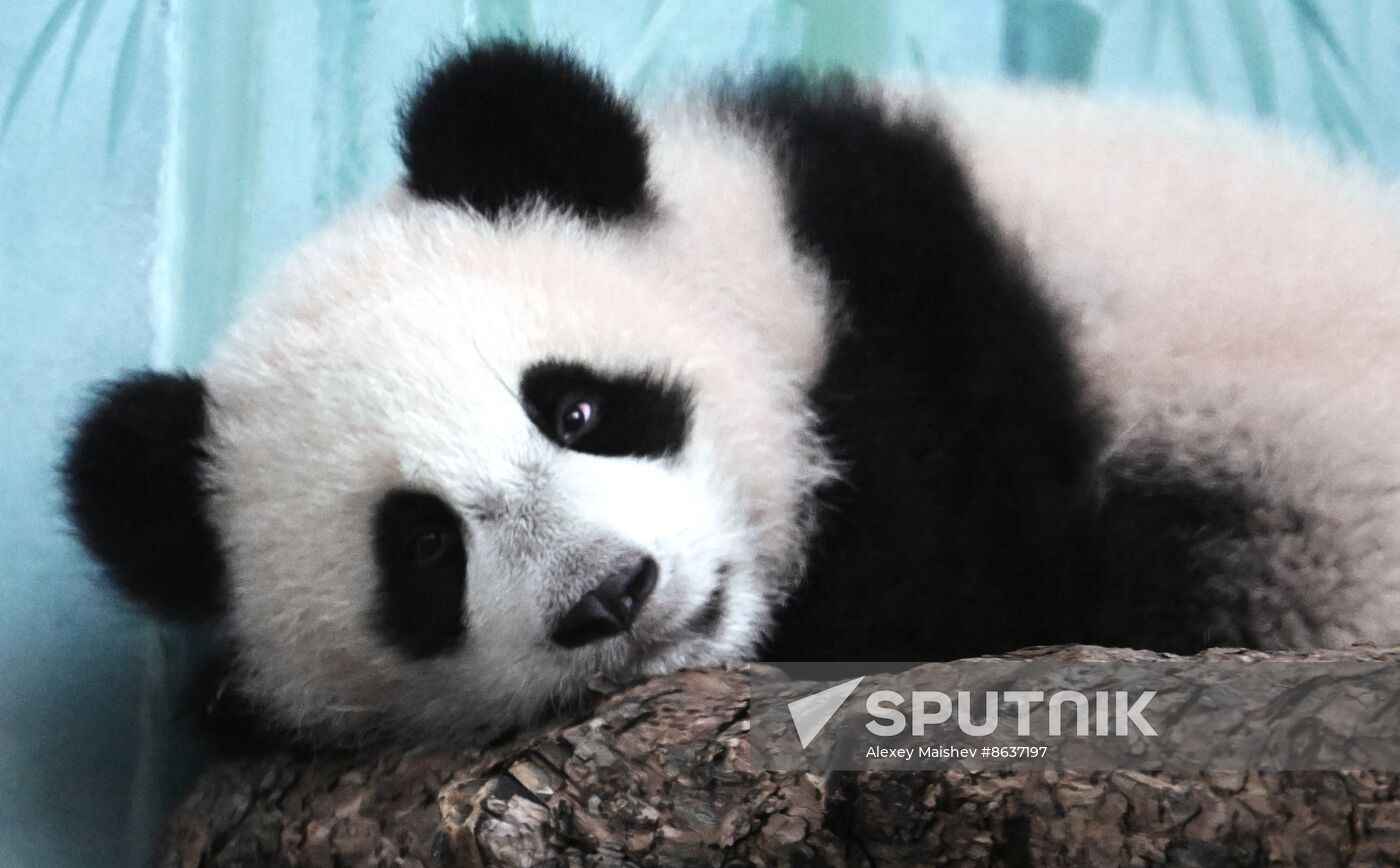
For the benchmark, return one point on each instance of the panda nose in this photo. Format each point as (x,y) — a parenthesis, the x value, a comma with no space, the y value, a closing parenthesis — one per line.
(609,608)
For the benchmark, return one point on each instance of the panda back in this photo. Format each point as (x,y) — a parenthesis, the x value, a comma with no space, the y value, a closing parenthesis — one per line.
(1110,375)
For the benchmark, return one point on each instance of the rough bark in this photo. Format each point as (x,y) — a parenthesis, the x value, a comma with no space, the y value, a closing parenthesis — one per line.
(658,775)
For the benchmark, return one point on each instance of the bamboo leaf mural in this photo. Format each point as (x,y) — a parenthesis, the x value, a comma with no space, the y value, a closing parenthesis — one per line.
(1312,22)
(124,76)
(86,19)
(1339,121)
(917,56)
(124,72)
(1152,30)
(33,58)
(1252,36)
(1191,52)
(1053,40)
(342,41)
(503,17)
(638,66)
(837,33)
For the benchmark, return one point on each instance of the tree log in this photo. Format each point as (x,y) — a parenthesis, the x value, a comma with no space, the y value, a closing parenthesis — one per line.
(658,775)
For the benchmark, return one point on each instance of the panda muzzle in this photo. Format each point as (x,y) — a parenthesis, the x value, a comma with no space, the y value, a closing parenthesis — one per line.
(610,608)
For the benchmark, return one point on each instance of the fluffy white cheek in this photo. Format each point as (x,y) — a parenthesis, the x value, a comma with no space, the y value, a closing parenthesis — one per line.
(528,565)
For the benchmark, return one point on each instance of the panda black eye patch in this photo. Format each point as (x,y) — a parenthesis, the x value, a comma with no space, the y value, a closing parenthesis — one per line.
(422,561)
(641,415)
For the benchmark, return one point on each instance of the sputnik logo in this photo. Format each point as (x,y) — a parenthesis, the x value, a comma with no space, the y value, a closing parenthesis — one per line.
(811,714)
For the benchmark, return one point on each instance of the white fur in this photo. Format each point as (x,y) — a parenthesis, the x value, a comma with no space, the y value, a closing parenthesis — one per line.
(1230,294)
(1226,295)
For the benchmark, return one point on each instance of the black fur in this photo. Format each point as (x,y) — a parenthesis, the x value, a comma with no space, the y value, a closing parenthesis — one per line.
(706,621)
(972,517)
(420,598)
(135,493)
(504,123)
(642,415)
(1173,547)
(233,725)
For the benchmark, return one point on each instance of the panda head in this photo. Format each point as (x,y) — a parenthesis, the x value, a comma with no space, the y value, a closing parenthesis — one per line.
(517,429)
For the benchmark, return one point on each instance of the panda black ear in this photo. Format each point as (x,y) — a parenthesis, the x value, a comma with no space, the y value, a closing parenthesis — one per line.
(504,123)
(133,477)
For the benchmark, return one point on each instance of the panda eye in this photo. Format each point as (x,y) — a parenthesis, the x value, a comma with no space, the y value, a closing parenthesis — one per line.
(420,549)
(429,545)
(641,414)
(576,415)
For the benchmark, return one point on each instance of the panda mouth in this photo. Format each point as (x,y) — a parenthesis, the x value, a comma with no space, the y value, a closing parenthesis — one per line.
(659,644)
(707,619)
(702,624)
(615,609)
(636,655)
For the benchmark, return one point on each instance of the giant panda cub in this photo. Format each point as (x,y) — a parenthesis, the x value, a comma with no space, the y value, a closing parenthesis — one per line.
(793,369)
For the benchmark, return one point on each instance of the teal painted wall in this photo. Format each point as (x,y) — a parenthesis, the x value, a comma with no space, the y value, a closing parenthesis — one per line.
(156,154)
